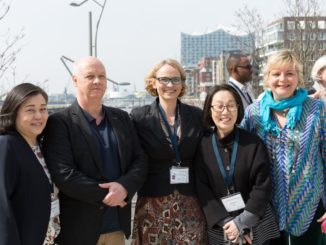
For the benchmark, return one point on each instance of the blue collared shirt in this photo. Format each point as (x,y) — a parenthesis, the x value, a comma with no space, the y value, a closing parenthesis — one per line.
(108,146)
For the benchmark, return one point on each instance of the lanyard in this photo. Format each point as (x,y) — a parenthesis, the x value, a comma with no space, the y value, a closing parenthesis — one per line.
(227,179)
(173,136)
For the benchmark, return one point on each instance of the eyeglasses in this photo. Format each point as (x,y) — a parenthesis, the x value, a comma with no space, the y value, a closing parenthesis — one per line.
(221,107)
(167,80)
(248,67)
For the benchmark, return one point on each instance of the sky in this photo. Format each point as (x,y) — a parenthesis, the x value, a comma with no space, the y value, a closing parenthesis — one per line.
(133,35)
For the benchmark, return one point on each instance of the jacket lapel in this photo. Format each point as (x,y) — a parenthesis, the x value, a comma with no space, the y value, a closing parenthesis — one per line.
(154,122)
(80,120)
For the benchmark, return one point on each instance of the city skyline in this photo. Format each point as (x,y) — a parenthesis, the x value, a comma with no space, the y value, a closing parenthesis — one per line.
(133,35)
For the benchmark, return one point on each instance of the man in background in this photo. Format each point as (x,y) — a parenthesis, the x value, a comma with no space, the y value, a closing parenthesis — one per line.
(240,71)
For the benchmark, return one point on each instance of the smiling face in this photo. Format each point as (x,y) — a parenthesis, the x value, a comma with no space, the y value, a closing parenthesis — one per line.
(283,81)
(31,118)
(224,120)
(167,92)
(90,80)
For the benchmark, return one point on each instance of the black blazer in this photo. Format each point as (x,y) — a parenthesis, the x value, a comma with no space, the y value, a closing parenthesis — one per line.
(251,177)
(77,169)
(160,155)
(25,194)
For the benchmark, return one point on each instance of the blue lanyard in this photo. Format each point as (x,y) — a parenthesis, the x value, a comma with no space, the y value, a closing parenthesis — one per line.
(227,179)
(173,136)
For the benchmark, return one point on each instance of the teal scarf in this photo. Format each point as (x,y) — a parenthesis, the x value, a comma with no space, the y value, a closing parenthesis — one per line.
(294,104)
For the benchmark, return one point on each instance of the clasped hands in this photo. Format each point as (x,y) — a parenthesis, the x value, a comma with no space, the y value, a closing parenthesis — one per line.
(232,232)
(116,194)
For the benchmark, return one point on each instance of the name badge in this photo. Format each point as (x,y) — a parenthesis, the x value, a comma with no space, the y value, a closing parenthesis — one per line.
(179,175)
(55,208)
(233,202)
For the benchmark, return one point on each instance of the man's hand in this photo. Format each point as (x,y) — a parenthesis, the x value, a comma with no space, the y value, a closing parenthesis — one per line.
(116,194)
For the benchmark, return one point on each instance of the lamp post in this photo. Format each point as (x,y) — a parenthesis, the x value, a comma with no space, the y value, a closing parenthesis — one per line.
(91,46)
(64,59)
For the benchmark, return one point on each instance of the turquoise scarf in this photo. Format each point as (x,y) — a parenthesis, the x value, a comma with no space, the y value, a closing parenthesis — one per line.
(294,104)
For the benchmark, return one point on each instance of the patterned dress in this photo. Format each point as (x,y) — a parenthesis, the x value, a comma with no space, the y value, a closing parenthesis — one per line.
(174,219)
(297,159)
(54,223)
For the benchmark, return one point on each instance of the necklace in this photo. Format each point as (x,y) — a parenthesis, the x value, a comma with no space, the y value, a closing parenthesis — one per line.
(285,112)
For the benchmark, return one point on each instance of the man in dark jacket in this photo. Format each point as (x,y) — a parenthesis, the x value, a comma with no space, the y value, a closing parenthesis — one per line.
(95,160)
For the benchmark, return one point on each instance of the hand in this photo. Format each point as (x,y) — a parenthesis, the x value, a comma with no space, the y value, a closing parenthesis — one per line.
(231,230)
(322,220)
(116,194)
(247,239)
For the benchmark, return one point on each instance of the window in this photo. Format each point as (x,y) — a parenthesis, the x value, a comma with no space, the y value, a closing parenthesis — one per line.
(291,25)
(321,24)
(322,36)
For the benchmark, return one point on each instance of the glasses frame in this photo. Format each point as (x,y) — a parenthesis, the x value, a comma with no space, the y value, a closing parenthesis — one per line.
(248,67)
(225,107)
(171,80)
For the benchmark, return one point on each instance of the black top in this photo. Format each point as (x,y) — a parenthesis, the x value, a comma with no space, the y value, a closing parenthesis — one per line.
(251,176)
(160,154)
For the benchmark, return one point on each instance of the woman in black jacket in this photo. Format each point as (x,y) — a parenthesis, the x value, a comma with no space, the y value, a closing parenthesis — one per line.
(29,205)
(167,209)
(232,175)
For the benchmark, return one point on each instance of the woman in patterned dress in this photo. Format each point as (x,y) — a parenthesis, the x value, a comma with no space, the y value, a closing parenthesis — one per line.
(292,125)
(167,209)
(29,205)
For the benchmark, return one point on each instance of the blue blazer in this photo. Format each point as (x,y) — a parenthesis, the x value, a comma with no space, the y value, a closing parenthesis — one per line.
(25,193)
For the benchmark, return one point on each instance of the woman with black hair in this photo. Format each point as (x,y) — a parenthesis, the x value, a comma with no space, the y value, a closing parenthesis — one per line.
(29,205)
(232,175)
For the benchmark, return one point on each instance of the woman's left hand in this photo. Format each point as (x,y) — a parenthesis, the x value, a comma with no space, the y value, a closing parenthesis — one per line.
(231,230)
(322,220)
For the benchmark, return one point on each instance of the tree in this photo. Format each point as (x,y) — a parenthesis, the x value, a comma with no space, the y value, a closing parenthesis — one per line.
(303,38)
(304,35)
(9,43)
(251,22)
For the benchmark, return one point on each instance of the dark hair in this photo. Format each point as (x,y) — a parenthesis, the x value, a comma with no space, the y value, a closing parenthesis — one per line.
(207,114)
(14,99)
(233,61)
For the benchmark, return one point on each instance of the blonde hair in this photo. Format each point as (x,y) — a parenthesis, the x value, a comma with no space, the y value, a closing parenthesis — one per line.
(280,59)
(151,76)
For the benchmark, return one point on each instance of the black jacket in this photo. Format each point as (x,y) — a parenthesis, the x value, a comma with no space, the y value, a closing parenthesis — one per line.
(77,169)
(160,155)
(251,177)
(25,194)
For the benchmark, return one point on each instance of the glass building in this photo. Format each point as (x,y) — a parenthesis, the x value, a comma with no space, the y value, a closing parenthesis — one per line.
(196,46)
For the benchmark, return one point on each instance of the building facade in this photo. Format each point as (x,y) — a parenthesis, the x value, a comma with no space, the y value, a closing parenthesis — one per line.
(306,36)
(212,44)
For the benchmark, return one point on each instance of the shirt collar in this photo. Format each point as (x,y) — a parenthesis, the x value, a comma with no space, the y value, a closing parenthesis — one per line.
(90,118)
(238,84)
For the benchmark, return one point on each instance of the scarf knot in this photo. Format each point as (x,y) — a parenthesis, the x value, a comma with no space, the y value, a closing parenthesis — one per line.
(294,104)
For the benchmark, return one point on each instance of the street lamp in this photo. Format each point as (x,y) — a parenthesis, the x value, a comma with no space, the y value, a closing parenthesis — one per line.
(91,46)
(64,59)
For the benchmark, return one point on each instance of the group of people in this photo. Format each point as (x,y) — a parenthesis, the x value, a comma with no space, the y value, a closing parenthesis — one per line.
(238,171)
